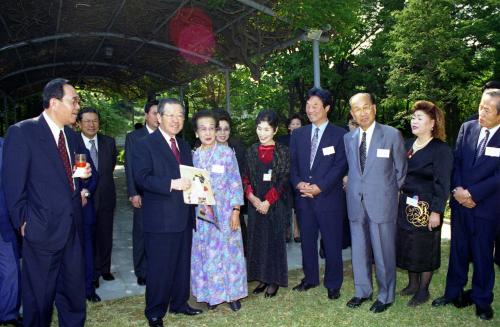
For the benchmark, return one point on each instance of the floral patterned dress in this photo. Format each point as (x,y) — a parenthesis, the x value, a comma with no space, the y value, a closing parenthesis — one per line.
(218,271)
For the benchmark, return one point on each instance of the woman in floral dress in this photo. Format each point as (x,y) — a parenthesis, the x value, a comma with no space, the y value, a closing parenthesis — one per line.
(218,272)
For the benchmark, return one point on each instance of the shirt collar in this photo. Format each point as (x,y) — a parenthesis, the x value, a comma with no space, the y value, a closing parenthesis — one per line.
(54,129)
(149,129)
(369,130)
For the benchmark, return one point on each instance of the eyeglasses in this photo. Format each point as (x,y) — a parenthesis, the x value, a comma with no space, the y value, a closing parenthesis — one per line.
(73,101)
(170,116)
(223,130)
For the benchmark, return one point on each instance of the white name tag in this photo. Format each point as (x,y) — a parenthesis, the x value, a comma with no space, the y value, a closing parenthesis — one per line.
(267,177)
(328,150)
(383,153)
(492,152)
(412,201)
(218,169)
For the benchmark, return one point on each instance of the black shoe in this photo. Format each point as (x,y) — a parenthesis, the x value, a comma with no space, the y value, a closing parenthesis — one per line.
(108,276)
(441,301)
(260,288)
(271,294)
(212,307)
(188,311)
(155,322)
(141,281)
(303,286)
(333,293)
(357,301)
(484,313)
(95,283)
(417,300)
(93,298)
(297,239)
(378,307)
(235,305)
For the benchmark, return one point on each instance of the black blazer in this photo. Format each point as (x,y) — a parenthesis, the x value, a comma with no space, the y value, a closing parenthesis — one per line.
(130,143)
(105,194)
(154,167)
(37,189)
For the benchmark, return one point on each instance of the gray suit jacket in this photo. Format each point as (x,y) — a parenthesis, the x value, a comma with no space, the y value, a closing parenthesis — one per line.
(378,186)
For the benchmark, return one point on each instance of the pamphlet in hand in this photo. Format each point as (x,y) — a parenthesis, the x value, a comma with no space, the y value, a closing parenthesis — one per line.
(200,191)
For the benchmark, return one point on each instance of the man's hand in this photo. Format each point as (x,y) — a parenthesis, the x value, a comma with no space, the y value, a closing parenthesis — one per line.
(469,203)
(310,191)
(136,201)
(302,185)
(87,171)
(181,184)
(344,182)
(83,195)
(434,221)
(461,195)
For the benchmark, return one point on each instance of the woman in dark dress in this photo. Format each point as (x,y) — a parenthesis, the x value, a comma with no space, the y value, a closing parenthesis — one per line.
(423,200)
(265,181)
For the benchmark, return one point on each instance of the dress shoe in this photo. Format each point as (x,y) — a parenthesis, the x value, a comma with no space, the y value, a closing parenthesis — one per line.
(141,281)
(273,293)
(303,286)
(357,301)
(378,307)
(108,276)
(188,311)
(441,301)
(333,293)
(297,239)
(418,299)
(212,307)
(235,305)
(95,283)
(260,288)
(485,312)
(155,322)
(93,298)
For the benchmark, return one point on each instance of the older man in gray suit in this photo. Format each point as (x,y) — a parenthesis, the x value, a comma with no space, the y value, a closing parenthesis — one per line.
(377,169)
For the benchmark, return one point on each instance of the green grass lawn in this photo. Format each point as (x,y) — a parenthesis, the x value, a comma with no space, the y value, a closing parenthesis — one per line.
(311,308)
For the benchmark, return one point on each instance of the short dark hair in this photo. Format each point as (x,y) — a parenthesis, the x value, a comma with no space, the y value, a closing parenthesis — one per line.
(165,101)
(53,89)
(222,115)
(202,114)
(324,95)
(496,94)
(268,116)
(149,104)
(298,116)
(490,85)
(87,110)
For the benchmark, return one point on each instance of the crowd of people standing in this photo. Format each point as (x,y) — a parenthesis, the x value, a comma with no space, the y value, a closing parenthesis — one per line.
(387,193)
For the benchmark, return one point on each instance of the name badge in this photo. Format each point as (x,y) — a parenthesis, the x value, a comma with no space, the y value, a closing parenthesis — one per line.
(412,201)
(267,177)
(492,152)
(218,169)
(328,150)
(383,153)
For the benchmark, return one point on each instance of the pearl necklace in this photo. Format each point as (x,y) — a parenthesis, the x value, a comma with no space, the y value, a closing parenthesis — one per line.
(416,146)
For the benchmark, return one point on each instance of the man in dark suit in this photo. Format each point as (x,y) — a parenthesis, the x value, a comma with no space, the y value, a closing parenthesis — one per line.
(103,152)
(134,196)
(377,170)
(45,205)
(168,221)
(318,165)
(474,209)
(10,273)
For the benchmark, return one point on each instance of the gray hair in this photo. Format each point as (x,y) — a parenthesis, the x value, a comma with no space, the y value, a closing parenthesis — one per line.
(495,94)
(163,102)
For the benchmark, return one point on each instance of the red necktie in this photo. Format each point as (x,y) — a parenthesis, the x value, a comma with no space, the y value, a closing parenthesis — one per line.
(63,154)
(175,150)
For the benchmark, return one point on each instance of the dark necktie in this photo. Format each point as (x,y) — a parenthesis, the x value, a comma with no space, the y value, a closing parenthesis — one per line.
(93,154)
(175,150)
(63,154)
(314,146)
(362,152)
(482,146)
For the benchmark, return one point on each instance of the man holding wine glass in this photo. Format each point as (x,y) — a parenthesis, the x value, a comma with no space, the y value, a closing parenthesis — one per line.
(45,205)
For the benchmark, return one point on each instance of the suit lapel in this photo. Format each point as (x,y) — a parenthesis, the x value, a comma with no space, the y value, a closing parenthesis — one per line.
(375,143)
(307,144)
(472,144)
(355,149)
(325,139)
(47,143)
(492,142)
(102,151)
(162,146)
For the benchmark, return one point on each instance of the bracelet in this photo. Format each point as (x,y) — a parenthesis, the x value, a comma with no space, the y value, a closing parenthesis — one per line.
(236,209)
